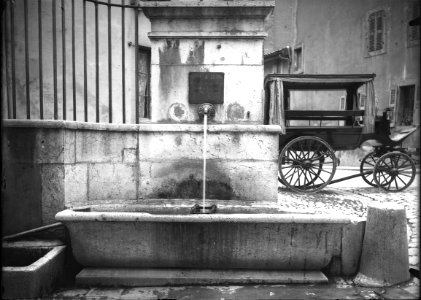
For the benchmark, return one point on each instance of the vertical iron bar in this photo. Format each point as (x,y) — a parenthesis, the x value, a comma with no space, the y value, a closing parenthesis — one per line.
(110,73)
(123,60)
(73,61)
(136,38)
(96,62)
(6,39)
(12,42)
(28,97)
(40,75)
(55,60)
(63,47)
(85,70)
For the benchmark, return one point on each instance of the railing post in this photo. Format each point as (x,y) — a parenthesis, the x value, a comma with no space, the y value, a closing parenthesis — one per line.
(85,68)
(63,47)
(123,60)
(41,81)
(28,96)
(110,68)
(136,38)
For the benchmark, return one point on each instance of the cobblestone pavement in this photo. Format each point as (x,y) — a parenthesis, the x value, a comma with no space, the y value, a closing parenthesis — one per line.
(352,197)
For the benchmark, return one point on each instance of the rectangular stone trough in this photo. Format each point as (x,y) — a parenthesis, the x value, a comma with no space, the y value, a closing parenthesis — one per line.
(29,270)
(235,237)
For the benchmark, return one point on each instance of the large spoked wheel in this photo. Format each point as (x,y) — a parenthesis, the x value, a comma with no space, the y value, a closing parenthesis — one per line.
(394,171)
(307,164)
(367,168)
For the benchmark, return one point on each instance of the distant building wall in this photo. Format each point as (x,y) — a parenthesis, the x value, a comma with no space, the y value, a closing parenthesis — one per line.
(334,37)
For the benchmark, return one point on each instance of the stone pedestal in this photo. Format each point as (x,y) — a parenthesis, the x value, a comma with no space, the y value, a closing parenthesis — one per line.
(207,36)
(384,259)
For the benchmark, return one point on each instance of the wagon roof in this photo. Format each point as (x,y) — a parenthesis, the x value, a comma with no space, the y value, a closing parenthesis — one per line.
(320,81)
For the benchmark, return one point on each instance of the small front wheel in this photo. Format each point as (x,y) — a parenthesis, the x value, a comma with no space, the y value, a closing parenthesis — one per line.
(394,171)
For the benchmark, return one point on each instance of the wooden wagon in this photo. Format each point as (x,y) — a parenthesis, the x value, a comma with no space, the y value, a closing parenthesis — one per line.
(321,114)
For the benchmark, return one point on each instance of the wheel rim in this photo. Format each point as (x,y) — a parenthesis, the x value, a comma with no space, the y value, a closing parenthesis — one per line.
(394,171)
(367,164)
(307,164)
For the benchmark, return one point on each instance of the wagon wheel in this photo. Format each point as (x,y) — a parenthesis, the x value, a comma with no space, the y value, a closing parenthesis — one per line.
(367,164)
(307,164)
(394,171)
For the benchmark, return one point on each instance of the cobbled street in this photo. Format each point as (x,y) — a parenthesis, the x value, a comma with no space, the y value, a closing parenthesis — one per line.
(352,197)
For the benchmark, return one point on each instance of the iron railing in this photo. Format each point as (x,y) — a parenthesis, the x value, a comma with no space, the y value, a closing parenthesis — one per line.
(10,13)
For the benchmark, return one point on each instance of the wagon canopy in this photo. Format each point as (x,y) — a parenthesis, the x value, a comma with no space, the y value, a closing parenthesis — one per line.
(277,84)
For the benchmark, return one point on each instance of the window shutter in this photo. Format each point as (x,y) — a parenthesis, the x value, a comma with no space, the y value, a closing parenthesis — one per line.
(371,36)
(379,31)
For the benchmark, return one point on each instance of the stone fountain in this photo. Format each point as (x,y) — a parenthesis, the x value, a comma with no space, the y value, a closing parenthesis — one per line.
(207,54)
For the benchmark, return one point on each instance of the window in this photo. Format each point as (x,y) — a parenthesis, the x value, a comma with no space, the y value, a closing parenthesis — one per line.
(413,31)
(298,59)
(405,106)
(342,103)
(392,103)
(376,32)
(362,98)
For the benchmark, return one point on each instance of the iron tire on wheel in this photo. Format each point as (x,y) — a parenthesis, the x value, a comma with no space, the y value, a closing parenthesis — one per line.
(394,171)
(307,164)
(367,164)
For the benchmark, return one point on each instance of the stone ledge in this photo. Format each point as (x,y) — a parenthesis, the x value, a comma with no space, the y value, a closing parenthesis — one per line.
(207,35)
(164,277)
(208,3)
(74,215)
(147,127)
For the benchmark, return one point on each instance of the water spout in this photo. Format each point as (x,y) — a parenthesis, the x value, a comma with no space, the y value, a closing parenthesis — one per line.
(205,110)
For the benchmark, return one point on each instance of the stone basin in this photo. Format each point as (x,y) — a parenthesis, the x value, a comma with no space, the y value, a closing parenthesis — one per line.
(258,237)
(31,269)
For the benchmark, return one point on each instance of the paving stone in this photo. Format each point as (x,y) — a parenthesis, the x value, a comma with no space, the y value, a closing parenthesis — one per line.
(100,293)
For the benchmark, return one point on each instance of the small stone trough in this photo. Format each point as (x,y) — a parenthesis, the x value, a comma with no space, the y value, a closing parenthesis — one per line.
(235,237)
(31,269)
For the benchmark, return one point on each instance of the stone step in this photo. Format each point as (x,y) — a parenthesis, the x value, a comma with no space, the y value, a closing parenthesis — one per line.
(174,277)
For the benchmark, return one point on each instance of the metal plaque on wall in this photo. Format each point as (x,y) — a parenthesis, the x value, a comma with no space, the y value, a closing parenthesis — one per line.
(206,87)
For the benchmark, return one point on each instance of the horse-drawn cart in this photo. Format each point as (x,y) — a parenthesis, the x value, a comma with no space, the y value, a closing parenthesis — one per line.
(321,114)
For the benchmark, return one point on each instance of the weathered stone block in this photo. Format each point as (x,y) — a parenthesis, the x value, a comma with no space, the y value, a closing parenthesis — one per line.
(103,146)
(112,181)
(53,191)
(76,185)
(21,197)
(384,258)
(220,145)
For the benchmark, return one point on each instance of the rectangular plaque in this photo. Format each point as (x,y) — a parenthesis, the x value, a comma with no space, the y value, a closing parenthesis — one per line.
(206,87)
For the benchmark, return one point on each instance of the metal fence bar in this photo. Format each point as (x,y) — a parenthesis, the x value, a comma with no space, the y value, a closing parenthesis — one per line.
(73,61)
(136,38)
(63,47)
(28,96)
(12,35)
(97,62)
(6,62)
(85,68)
(55,60)
(123,61)
(40,75)
(110,68)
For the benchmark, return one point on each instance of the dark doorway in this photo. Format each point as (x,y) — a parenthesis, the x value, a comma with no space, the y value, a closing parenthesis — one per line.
(405,111)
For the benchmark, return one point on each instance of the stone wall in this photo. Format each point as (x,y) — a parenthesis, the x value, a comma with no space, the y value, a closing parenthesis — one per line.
(50,165)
